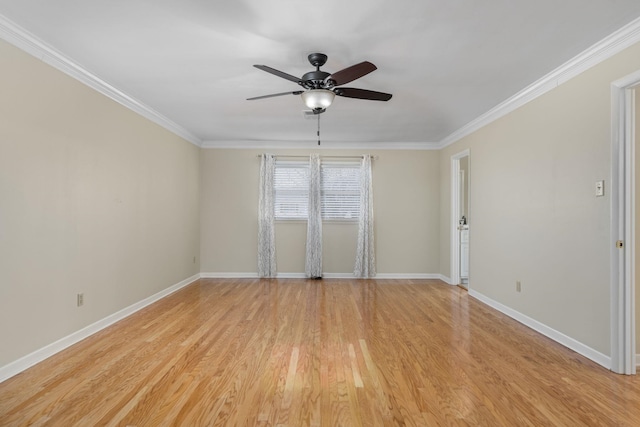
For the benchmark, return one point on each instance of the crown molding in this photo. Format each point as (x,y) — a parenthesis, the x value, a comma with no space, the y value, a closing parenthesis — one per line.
(329,145)
(602,50)
(22,39)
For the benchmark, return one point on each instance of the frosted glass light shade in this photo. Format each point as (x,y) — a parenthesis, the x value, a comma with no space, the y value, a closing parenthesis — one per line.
(318,98)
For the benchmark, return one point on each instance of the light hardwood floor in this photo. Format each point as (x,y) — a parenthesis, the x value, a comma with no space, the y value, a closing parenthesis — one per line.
(325,353)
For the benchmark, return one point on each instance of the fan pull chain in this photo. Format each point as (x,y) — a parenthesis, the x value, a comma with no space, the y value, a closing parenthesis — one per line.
(318,129)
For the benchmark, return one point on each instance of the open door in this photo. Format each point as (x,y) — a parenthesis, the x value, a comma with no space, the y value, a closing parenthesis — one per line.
(460,225)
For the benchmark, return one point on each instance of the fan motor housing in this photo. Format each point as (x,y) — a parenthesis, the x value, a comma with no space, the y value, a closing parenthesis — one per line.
(315,79)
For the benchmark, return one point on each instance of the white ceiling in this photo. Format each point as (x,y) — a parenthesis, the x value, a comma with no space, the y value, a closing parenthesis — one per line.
(446,63)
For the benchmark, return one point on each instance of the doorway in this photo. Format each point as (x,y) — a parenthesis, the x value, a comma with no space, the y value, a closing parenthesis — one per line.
(460,218)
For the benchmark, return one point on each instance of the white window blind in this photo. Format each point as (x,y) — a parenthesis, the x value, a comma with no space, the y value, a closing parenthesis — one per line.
(340,190)
(291,182)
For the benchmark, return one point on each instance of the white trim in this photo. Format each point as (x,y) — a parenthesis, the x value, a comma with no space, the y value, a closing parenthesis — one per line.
(617,228)
(455,215)
(408,276)
(455,211)
(21,38)
(381,276)
(333,145)
(623,346)
(291,276)
(609,46)
(630,235)
(637,361)
(545,330)
(38,356)
(229,275)
(252,275)
(446,279)
(604,49)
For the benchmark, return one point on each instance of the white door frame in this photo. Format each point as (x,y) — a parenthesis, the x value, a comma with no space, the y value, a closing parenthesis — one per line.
(455,214)
(623,346)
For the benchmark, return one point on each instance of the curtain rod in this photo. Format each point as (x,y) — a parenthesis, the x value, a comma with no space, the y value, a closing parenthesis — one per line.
(322,157)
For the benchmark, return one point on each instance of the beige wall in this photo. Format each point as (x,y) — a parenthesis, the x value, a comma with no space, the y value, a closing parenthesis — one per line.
(96,199)
(535,215)
(406,195)
(93,199)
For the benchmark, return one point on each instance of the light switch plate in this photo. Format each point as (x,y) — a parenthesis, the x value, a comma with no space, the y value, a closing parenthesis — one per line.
(599,188)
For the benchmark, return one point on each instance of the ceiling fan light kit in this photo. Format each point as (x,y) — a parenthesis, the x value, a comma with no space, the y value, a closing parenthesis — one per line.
(318,99)
(321,87)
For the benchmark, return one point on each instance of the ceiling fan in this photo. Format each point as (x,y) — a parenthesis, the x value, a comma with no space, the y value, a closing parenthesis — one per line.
(321,87)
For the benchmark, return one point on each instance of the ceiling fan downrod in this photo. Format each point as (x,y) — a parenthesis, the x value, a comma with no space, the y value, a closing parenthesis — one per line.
(315,79)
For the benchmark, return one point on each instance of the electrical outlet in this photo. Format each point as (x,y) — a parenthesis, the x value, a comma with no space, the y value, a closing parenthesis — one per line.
(518,286)
(80,299)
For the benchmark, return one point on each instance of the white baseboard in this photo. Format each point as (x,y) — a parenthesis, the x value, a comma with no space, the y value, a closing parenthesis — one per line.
(445,279)
(37,356)
(408,276)
(545,330)
(229,275)
(291,276)
(382,276)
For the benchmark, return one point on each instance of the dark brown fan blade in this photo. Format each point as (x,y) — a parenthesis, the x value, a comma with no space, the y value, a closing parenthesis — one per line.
(297,92)
(278,73)
(351,73)
(350,92)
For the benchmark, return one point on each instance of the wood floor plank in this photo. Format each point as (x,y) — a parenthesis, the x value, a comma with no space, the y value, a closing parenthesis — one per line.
(318,353)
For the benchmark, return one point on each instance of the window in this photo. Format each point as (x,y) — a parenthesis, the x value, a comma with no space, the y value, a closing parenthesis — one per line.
(291,182)
(340,190)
